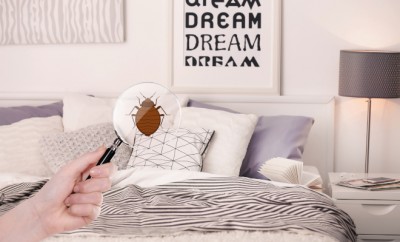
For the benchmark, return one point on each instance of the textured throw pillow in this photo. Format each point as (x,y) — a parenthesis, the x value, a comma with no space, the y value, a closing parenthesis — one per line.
(19,145)
(81,111)
(58,149)
(274,136)
(231,138)
(171,149)
(10,115)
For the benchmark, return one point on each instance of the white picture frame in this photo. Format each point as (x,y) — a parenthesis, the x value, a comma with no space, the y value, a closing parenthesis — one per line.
(205,50)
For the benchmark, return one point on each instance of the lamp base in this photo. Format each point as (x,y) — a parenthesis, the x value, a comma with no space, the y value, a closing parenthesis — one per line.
(368,135)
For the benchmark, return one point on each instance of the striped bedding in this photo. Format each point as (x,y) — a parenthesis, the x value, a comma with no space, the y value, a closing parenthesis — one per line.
(206,205)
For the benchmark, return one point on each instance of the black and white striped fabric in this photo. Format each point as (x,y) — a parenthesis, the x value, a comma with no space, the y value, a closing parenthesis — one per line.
(214,204)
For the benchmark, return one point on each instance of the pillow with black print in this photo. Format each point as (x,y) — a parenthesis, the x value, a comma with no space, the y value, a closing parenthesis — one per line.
(171,149)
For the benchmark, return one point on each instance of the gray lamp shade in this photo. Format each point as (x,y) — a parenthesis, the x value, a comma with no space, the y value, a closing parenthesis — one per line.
(369,74)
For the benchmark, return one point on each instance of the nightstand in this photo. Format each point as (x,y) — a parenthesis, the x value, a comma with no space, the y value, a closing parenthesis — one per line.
(375,213)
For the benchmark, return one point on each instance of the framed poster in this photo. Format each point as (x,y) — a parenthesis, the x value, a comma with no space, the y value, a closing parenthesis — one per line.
(226,46)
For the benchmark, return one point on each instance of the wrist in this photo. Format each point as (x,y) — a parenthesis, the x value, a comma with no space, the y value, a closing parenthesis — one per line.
(22,224)
(34,221)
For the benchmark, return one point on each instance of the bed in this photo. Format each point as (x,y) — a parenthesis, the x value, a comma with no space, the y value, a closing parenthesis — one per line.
(184,204)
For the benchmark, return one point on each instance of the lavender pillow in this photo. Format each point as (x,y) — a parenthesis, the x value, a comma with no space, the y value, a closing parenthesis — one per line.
(10,115)
(274,136)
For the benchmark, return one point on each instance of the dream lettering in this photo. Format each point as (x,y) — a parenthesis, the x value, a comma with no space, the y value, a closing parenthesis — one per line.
(207,41)
(219,61)
(227,4)
(238,20)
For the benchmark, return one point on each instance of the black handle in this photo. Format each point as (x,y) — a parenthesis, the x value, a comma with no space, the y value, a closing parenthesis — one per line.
(108,155)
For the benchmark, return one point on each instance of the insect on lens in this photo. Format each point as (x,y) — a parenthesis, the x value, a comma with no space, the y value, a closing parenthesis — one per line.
(144,109)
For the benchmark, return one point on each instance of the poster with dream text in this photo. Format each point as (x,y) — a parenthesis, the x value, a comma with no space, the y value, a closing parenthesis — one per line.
(226,46)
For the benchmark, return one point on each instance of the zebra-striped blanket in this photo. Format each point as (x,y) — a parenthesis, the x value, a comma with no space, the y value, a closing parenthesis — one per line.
(213,204)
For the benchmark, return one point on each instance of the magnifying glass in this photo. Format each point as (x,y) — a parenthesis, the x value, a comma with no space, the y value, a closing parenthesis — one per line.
(142,110)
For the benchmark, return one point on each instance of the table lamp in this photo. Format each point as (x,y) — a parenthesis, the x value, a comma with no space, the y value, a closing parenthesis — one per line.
(369,74)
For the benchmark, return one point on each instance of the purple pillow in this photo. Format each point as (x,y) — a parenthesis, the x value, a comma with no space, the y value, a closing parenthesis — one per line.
(9,115)
(274,136)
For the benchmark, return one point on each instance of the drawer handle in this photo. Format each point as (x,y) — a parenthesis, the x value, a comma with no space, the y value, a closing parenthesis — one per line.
(378,209)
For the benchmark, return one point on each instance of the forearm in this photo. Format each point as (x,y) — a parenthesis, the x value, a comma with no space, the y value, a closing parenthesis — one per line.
(48,212)
(21,224)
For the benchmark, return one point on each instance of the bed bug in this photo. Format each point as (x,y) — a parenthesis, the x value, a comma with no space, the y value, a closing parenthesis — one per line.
(148,117)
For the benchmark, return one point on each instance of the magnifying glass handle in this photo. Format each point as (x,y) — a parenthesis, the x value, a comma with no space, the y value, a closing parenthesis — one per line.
(108,155)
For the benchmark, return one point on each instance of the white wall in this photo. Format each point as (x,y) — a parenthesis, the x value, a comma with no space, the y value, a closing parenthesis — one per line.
(313,33)
(95,67)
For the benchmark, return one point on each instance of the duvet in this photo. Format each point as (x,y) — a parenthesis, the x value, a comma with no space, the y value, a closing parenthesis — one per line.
(158,204)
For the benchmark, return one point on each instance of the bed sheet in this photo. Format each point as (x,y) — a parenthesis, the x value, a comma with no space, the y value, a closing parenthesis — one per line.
(159,179)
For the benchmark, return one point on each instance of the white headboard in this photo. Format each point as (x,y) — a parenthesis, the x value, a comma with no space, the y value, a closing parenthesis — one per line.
(319,150)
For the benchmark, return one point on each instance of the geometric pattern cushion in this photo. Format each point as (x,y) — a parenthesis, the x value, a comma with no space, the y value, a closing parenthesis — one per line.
(171,149)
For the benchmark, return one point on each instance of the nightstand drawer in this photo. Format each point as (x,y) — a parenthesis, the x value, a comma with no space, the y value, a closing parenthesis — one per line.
(373,217)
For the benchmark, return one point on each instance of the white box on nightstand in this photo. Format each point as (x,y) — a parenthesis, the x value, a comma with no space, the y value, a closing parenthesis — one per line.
(375,213)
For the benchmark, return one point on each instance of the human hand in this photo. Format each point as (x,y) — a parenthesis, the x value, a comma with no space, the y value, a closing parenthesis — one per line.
(68,201)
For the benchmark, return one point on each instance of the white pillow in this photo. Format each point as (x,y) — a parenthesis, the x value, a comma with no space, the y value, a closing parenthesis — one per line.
(229,144)
(19,145)
(81,111)
(170,149)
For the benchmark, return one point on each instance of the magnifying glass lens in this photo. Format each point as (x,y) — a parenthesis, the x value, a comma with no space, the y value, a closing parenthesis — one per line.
(142,110)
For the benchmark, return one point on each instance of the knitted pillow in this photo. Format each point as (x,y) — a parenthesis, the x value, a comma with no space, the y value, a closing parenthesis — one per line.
(58,149)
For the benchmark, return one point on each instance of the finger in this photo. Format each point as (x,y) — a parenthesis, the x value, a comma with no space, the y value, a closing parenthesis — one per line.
(78,166)
(85,210)
(102,171)
(94,198)
(86,173)
(93,185)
